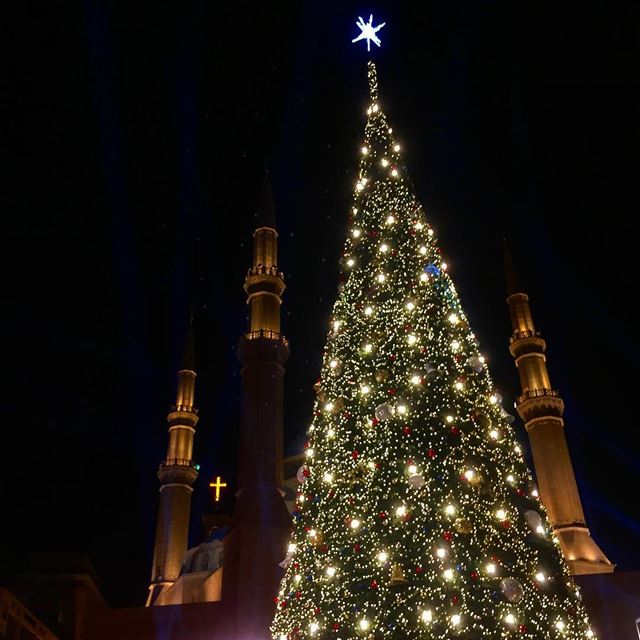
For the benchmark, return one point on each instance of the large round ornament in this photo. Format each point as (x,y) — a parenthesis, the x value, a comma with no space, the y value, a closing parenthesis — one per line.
(301,474)
(506,415)
(533,519)
(384,411)
(511,589)
(416,480)
(462,525)
(475,363)
(381,375)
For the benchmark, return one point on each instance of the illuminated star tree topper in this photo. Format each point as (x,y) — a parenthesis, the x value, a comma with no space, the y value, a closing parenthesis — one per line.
(368,31)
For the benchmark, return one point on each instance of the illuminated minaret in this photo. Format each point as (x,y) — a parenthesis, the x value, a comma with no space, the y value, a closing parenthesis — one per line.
(260,525)
(176,473)
(541,408)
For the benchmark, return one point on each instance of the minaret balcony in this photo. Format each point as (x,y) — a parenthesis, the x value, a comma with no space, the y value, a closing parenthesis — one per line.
(540,403)
(537,393)
(265,333)
(523,342)
(178,471)
(518,335)
(261,269)
(264,282)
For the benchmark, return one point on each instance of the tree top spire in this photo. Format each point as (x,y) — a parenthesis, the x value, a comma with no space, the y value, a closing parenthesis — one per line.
(372,75)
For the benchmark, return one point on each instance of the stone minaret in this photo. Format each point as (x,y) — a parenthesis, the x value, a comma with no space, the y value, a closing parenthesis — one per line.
(261,523)
(541,408)
(177,473)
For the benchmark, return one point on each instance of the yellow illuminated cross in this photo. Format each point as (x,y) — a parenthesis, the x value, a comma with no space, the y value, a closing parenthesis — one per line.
(217,485)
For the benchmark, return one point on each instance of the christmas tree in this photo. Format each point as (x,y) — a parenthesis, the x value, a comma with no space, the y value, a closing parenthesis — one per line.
(416,516)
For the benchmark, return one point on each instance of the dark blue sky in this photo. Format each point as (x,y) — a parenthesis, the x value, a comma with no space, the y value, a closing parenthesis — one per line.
(137,134)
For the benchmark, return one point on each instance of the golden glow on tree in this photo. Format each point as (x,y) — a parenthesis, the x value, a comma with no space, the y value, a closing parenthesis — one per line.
(417,517)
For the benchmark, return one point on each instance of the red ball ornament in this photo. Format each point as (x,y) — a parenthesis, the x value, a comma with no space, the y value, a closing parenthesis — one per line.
(298,594)
(454,599)
(431,453)
(374,584)
(506,524)
(354,454)
(454,430)
(392,357)
(520,491)
(276,599)
(447,536)
(357,546)
(317,609)
(474,575)
(382,515)
(335,626)
(522,628)
(391,392)
(283,604)
(406,429)
(419,569)
(375,421)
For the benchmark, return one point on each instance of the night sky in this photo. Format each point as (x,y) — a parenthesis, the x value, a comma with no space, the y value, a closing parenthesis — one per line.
(136,136)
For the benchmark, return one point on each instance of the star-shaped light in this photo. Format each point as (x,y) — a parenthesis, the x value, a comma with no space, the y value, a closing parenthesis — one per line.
(368,31)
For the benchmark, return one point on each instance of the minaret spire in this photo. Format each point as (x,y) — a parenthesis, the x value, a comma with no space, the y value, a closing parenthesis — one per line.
(541,408)
(261,523)
(176,473)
